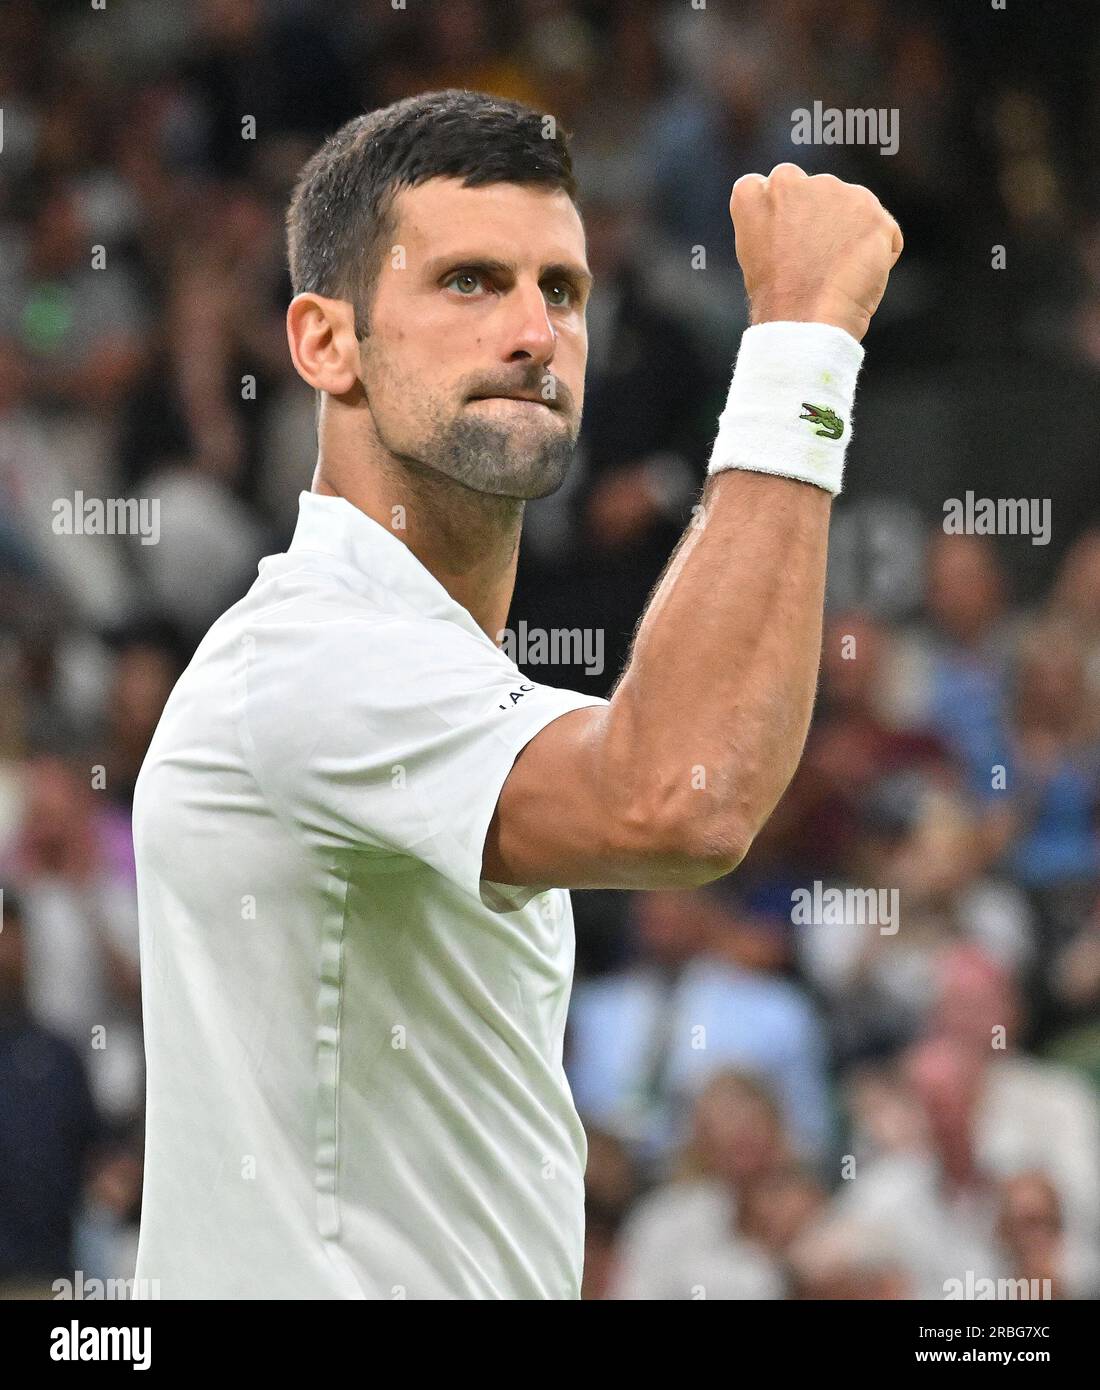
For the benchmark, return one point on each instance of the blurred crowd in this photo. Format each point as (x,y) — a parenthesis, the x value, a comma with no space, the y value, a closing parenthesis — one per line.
(774,1109)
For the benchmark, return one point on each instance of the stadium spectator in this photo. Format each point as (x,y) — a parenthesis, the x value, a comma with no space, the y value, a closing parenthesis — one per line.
(81,962)
(686,1239)
(1056,755)
(644,1041)
(1032,1234)
(935,1207)
(48,1126)
(1029,1113)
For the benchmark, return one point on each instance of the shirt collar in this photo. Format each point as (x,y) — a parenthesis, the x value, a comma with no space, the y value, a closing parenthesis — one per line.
(333,526)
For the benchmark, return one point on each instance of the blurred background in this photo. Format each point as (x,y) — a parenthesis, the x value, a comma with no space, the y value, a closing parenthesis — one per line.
(775,1110)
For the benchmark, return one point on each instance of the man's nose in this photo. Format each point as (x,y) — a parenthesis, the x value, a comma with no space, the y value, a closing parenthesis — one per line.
(530,332)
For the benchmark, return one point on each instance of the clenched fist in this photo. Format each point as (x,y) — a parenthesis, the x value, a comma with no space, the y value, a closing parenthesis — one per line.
(812,249)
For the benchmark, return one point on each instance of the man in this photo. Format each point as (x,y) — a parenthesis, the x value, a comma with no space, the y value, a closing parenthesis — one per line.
(356,820)
(49,1128)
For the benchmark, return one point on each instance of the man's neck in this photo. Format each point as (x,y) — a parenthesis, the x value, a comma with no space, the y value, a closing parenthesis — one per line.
(468,540)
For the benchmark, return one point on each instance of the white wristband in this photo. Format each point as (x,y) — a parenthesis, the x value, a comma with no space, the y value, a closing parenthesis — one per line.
(790,404)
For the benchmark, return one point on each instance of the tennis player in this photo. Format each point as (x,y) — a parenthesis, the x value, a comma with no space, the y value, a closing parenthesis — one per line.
(357,821)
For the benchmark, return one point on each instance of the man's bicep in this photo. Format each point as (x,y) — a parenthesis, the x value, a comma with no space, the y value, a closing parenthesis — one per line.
(573,815)
(550,821)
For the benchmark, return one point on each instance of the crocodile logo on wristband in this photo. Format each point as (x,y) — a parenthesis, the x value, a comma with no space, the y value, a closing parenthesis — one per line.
(832,426)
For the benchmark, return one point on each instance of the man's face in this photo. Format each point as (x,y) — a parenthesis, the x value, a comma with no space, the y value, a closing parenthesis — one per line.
(482,304)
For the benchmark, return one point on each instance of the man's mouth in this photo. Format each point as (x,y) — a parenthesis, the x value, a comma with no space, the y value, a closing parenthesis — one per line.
(517,399)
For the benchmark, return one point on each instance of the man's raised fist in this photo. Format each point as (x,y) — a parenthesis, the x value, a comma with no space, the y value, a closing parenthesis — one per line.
(812,248)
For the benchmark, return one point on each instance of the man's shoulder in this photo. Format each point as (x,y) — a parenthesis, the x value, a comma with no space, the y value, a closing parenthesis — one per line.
(316,665)
(312,603)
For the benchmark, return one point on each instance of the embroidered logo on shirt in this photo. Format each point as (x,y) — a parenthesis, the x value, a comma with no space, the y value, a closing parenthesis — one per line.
(516,695)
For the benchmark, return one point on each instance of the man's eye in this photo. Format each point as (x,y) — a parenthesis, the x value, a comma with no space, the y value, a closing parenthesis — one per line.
(466,282)
(559,295)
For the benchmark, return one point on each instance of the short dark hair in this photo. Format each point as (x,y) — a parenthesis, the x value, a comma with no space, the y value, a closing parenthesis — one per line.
(340,214)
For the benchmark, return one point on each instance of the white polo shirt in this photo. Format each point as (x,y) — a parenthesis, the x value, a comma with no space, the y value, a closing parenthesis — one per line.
(354,1045)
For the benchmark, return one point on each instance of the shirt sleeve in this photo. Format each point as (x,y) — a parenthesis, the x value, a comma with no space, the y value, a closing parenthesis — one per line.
(393,735)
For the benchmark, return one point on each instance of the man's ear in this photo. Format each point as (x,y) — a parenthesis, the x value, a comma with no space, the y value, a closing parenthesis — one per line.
(323,345)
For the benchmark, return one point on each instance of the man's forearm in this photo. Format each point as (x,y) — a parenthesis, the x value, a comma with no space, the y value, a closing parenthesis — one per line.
(716,700)
(711,714)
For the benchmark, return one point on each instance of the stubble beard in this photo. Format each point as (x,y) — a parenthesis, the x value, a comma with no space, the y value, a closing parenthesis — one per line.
(500,460)
(524,460)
